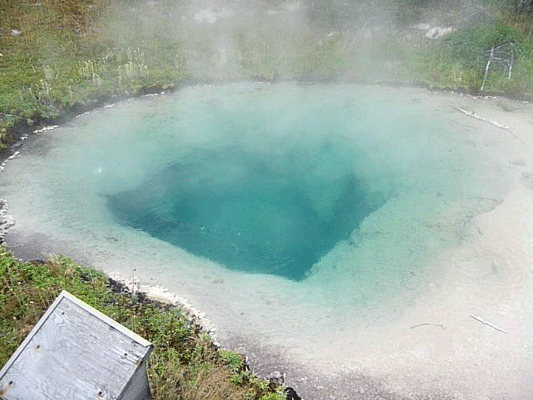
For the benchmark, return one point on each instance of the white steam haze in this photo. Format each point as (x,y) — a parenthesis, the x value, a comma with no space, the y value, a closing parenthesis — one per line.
(266,40)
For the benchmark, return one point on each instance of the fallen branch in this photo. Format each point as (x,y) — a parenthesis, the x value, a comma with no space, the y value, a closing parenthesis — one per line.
(428,324)
(474,115)
(479,319)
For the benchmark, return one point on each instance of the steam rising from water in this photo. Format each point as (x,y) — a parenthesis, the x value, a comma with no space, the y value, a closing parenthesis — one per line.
(421,170)
(277,209)
(323,175)
(315,39)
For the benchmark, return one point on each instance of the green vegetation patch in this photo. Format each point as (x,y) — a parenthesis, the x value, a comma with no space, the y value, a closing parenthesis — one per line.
(60,57)
(184,363)
(471,44)
(461,59)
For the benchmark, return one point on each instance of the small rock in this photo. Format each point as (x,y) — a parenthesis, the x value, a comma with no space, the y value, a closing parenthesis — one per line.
(15,32)
(277,378)
(437,32)
(276,375)
(423,26)
(291,394)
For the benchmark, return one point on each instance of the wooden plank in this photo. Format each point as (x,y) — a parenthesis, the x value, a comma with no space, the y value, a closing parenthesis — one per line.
(105,318)
(74,352)
(26,340)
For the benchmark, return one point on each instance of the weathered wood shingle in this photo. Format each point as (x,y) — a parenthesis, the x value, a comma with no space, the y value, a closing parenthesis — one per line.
(76,352)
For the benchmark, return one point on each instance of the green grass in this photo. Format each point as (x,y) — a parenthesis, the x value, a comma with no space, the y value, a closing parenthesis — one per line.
(184,363)
(459,60)
(64,61)
(74,55)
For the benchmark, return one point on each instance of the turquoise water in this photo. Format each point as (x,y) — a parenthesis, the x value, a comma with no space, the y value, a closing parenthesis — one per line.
(275,211)
(330,185)
(253,181)
(353,228)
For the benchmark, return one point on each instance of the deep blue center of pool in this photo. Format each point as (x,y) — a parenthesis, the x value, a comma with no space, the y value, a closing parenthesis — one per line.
(274,212)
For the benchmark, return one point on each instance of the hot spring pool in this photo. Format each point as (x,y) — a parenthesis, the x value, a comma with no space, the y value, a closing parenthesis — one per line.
(281,211)
(266,180)
(273,210)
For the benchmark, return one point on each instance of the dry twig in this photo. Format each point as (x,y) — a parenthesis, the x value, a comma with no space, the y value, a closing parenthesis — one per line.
(474,115)
(479,319)
(428,324)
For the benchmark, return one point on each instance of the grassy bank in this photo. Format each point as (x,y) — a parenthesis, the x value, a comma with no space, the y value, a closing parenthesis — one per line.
(61,58)
(57,60)
(462,59)
(184,363)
